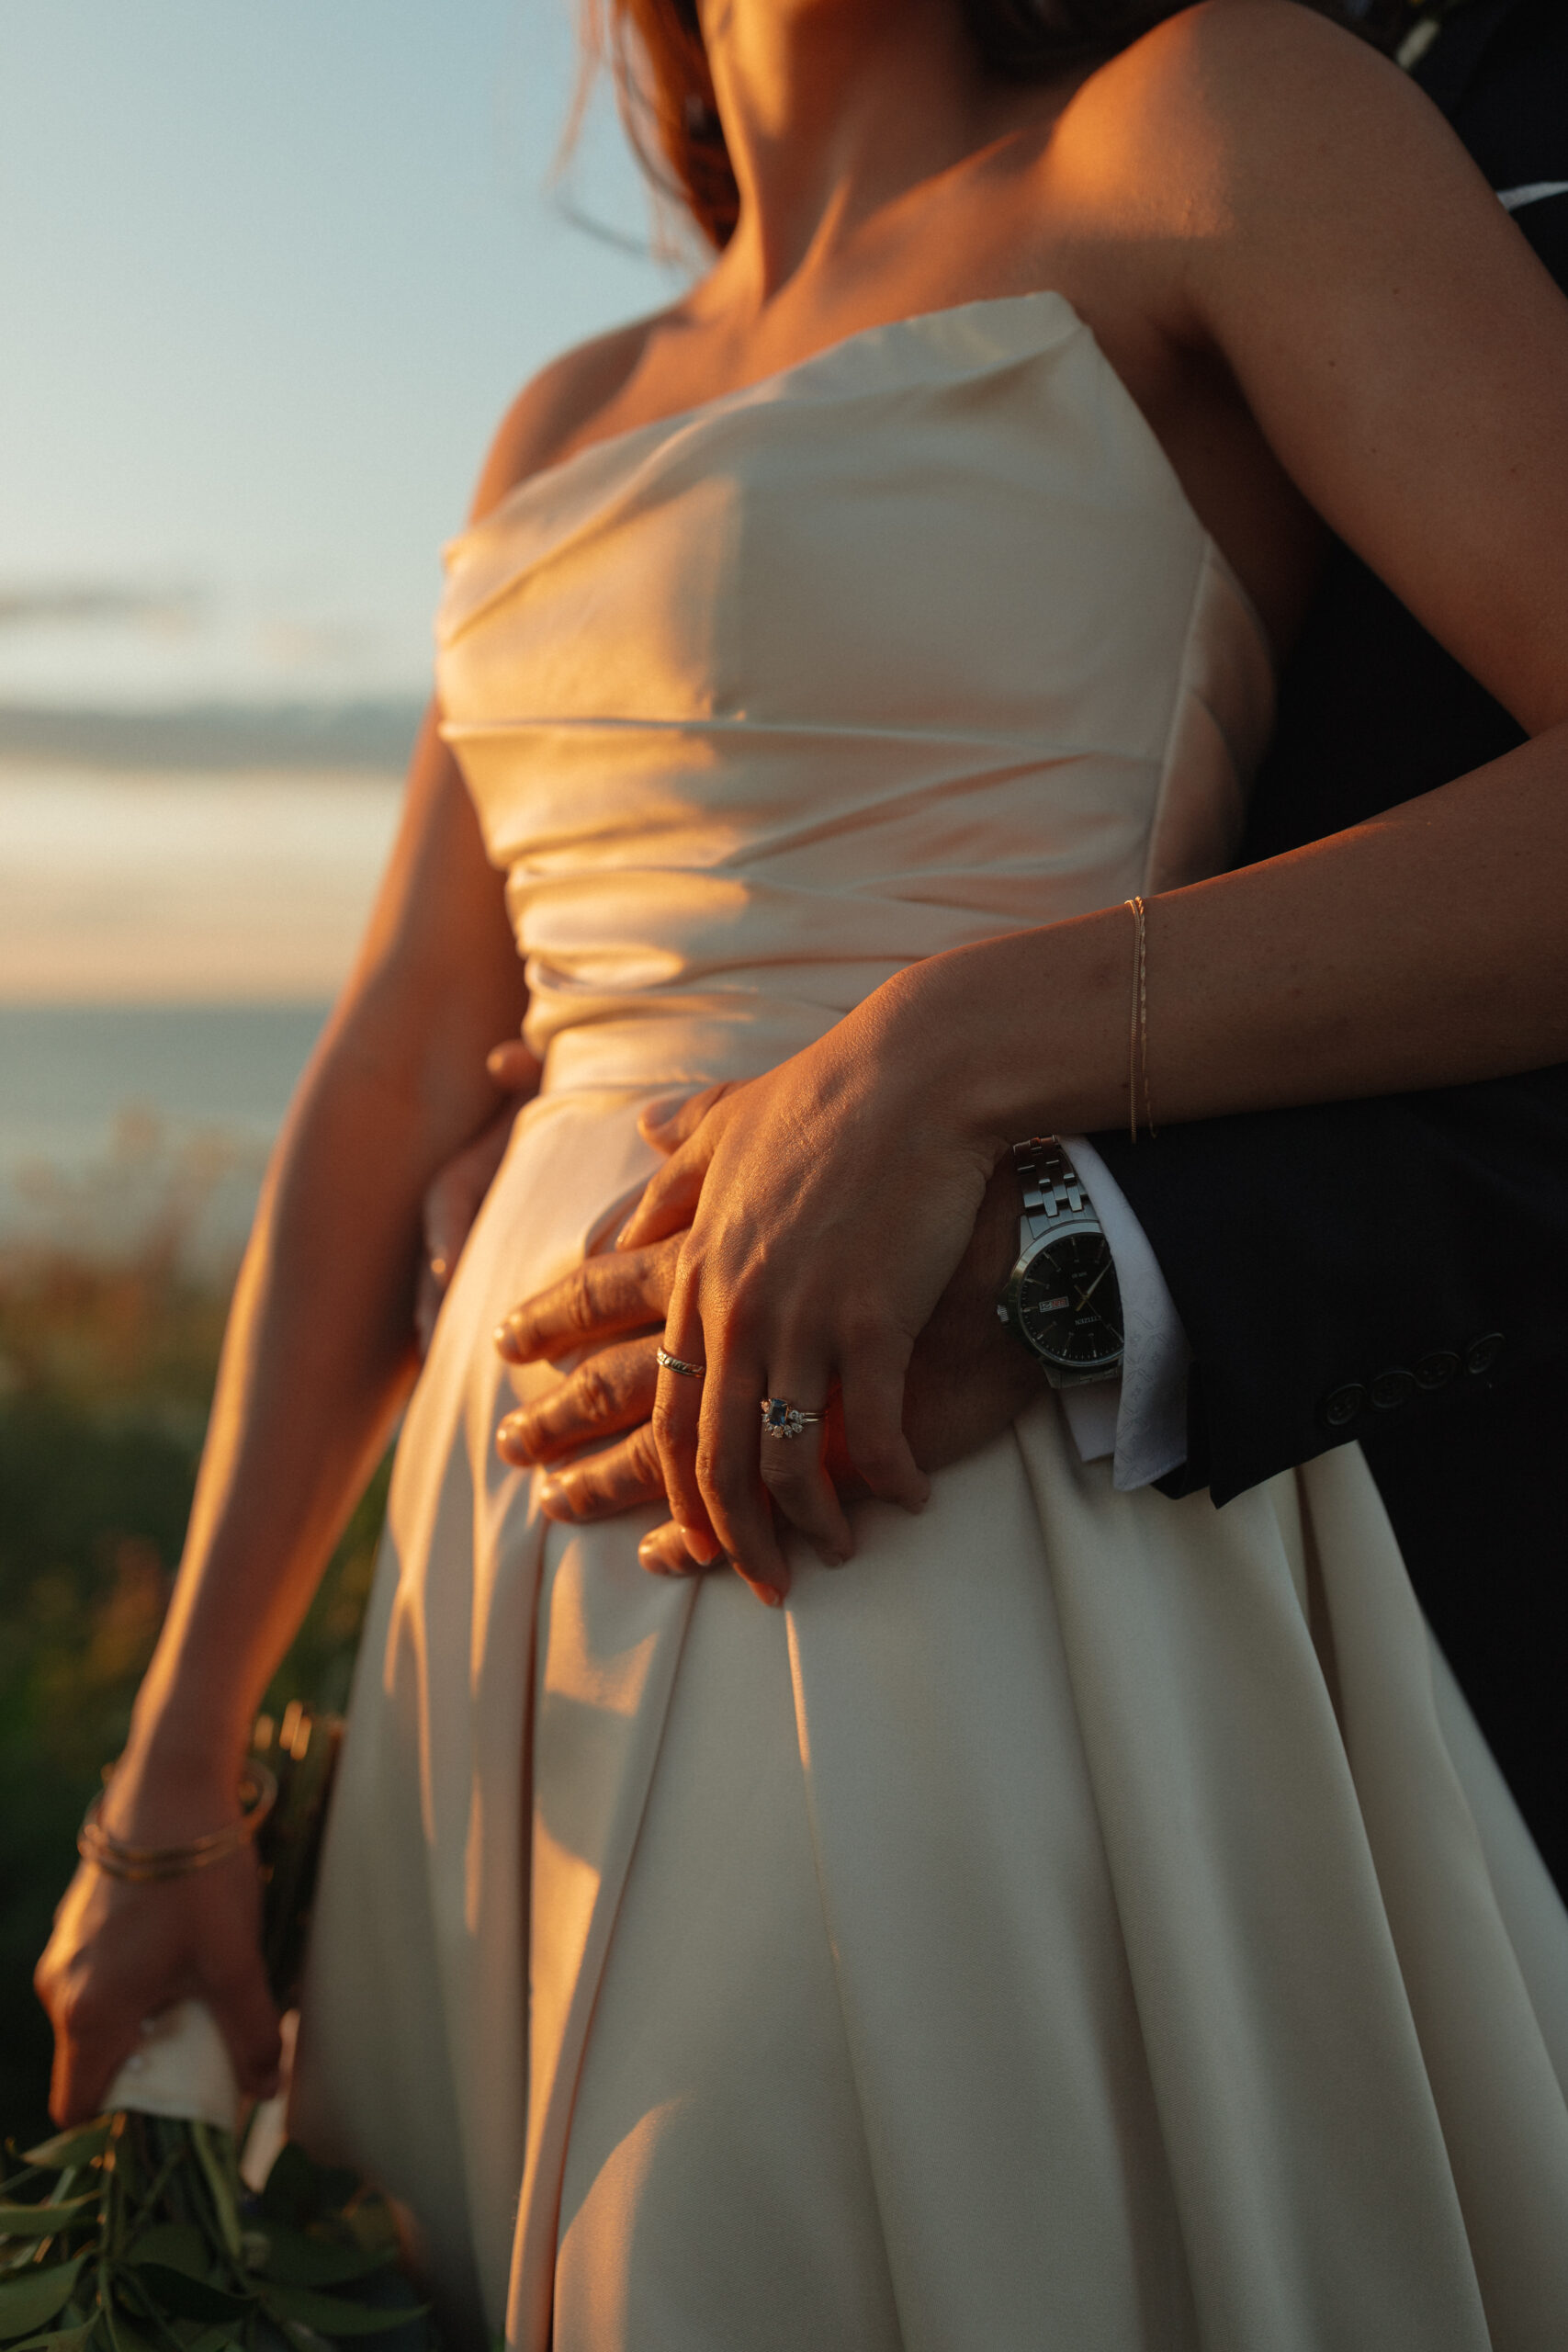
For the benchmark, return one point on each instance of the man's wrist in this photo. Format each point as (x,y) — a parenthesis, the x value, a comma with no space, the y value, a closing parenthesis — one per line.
(1150,1436)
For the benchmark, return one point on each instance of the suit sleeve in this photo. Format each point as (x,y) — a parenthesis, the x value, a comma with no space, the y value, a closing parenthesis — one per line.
(1350,1269)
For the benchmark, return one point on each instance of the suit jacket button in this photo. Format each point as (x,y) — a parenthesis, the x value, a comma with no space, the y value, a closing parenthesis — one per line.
(1437,1369)
(1482,1354)
(1392,1388)
(1342,1405)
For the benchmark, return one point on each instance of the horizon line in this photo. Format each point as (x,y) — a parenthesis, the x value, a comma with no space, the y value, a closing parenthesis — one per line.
(372,733)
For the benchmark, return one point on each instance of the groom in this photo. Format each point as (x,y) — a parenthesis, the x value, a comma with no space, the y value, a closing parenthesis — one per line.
(1395,1271)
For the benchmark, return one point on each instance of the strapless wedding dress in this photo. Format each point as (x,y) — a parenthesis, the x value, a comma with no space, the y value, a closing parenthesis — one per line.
(1086,1921)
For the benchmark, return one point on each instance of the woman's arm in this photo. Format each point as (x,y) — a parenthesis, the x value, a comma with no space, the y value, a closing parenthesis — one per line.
(830,1201)
(316,1358)
(1315,230)
(1407,359)
(319,1355)
(318,1352)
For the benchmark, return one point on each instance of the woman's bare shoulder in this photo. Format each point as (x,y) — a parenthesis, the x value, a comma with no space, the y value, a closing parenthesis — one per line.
(1254,54)
(1290,204)
(1230,97)
(1252,157)
(553,408)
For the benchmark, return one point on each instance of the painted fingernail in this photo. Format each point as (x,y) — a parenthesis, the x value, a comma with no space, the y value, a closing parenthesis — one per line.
(702,1546)
(505,1344)
(621,1236)
(555,1498)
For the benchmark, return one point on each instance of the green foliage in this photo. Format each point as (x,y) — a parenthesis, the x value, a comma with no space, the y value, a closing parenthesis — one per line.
(139,2233)
(106,1376)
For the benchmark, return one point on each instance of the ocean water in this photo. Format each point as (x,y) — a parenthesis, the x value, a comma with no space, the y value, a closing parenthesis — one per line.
(171,935)
(191,885)
(114,1115)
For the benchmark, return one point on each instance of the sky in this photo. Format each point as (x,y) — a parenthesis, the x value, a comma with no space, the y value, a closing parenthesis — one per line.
(270,270)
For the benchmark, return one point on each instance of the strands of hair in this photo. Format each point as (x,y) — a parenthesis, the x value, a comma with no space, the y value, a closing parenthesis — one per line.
(664,90)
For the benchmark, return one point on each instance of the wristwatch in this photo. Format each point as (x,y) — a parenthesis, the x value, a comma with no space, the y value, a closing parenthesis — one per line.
(1062,1300)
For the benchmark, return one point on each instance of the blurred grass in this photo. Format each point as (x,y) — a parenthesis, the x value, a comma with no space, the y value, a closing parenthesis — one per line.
(106,1376)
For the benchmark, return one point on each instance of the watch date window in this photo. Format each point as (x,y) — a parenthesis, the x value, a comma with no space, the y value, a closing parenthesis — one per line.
(1068,1303)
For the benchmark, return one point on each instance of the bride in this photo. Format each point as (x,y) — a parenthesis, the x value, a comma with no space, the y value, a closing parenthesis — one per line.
(1084,1919)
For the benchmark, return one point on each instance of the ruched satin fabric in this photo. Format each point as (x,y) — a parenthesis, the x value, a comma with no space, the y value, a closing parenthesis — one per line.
(1085,1920)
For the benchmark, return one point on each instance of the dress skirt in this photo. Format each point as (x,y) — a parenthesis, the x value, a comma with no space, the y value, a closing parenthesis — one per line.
(1085,1922)
(1084,1919)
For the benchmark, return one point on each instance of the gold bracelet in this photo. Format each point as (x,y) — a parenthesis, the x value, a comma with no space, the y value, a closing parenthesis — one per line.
(142,1864)
(1138,1030)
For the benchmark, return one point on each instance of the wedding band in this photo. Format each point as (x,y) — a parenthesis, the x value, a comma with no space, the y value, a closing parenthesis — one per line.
(678,1363)
(781,1418)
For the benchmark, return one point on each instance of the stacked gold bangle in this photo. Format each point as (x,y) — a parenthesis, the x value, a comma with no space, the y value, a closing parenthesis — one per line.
(142,1864)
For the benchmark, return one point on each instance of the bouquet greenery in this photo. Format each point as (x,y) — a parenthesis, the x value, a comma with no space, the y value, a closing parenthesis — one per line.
(144,2239)
(137,2233)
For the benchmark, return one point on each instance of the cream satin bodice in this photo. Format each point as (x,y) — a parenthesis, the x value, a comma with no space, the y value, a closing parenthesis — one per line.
(914,643)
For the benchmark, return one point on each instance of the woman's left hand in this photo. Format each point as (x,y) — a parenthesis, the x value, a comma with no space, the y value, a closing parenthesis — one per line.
(828,1202)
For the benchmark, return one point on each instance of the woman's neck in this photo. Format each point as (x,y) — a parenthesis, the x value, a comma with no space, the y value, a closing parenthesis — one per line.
(832,111)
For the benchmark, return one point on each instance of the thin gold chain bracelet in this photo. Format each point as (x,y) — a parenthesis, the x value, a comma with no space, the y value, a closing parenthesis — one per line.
(1138,1032)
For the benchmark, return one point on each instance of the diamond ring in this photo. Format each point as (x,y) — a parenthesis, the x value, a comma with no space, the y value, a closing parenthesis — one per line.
(781,1418)
(678,1363)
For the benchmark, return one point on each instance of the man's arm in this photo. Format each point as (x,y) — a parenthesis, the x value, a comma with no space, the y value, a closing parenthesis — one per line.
(1353,1268)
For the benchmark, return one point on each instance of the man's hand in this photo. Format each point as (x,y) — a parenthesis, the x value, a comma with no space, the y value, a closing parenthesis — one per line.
(456,1190)
(614,1305)
(967,1378)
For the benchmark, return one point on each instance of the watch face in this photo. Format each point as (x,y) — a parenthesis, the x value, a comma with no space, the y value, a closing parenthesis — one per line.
(1066,1303)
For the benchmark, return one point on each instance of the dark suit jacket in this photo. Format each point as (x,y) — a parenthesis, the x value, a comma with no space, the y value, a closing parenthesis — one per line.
(1397,1270)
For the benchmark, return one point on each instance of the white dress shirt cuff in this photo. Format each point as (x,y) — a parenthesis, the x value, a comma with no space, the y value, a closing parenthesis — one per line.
(1140,1419)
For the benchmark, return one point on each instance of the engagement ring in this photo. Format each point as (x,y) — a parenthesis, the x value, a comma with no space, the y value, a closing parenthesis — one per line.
(781,1418)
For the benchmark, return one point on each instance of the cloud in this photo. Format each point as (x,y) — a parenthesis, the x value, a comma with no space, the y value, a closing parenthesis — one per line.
(99,604)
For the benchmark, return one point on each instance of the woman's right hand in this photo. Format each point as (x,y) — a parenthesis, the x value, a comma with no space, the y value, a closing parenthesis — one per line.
(967,1378)
(121,1952)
